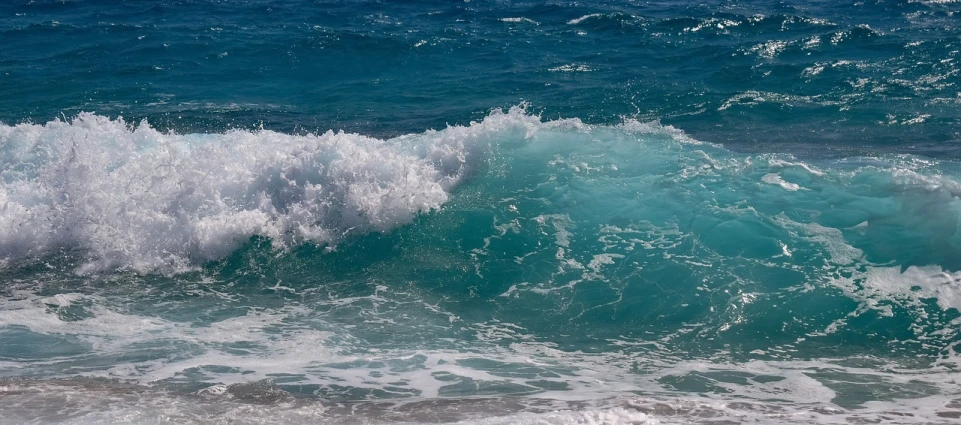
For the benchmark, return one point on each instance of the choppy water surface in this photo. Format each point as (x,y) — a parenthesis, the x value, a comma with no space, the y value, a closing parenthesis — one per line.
(481,212)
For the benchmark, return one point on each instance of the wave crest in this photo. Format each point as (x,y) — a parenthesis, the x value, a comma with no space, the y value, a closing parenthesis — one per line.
(131,197)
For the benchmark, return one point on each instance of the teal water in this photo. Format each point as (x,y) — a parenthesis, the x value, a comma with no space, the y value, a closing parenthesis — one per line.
(505,212)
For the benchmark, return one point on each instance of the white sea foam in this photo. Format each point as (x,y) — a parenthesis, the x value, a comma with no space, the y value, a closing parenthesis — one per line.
(132,197)
(769,49)
(576,21)
(571,68)
(755,392)
(279,342)
(832,240)
(520,21)
(753,97)
(780,163)
(772,178)
(914,284)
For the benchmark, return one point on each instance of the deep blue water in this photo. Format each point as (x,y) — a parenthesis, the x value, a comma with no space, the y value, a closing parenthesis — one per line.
(484,212)
(764,73)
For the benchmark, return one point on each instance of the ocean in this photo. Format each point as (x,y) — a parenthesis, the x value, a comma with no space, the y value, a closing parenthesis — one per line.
(480,212)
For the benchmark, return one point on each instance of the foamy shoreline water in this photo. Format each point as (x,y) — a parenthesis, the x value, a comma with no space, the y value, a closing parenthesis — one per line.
(103,402)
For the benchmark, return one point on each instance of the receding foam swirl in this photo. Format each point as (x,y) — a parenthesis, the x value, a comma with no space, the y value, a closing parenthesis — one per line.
(135,198)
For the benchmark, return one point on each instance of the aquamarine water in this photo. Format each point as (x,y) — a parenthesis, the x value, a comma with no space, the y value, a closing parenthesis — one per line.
(480,212)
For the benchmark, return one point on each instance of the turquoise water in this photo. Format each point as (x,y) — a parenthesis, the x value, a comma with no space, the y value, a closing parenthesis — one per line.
(481,212)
